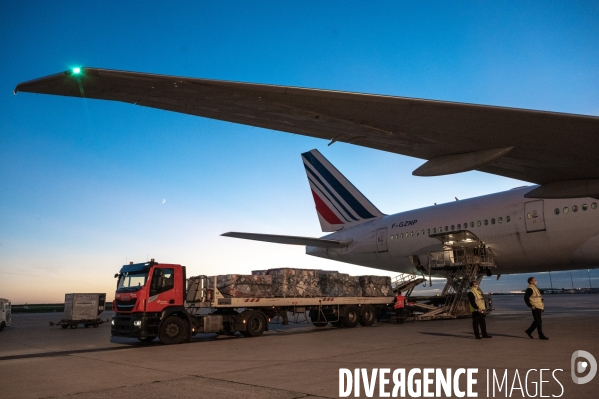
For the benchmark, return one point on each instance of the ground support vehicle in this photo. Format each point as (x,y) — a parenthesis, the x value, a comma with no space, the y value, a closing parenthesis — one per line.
(82,309)
(156,300)
(5,313)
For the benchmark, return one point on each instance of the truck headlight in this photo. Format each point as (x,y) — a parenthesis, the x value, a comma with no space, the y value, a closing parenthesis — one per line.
(137,323)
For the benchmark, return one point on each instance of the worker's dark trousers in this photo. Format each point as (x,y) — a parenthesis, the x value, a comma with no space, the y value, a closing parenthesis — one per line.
(400,314)
(478,319)
(537,323)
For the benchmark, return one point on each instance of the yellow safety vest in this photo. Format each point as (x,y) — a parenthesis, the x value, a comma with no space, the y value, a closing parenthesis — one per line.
(478,299)
(536,299)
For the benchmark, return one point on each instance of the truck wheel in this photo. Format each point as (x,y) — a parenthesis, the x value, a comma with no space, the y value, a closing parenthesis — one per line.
(351,316)
(172,331)
(65,326)
(146,339)
(255,325)
(2,325)
(74,326)
(320,323)
(367,315)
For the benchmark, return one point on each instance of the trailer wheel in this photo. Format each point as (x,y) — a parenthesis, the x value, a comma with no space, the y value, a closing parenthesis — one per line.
(351,316)
(367,315)
(146,339)
(172,331)
(74,326)
(255,325)
(65,326)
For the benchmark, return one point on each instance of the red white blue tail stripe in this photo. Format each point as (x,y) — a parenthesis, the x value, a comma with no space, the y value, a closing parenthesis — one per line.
(338,202)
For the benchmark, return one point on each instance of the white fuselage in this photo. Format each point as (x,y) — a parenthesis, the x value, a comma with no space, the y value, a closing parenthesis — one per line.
(526,235)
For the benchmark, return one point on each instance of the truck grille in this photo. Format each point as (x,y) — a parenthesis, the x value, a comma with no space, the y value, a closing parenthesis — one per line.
(125,306)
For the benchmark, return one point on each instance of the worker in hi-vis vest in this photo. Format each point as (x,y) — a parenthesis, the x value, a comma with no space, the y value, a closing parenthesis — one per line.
(477,307)
(534,300)
(399,304)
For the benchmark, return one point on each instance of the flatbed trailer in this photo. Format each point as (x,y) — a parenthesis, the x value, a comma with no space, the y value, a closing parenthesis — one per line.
(156,300)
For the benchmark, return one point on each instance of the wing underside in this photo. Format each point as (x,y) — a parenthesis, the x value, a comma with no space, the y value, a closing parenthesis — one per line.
(534,146)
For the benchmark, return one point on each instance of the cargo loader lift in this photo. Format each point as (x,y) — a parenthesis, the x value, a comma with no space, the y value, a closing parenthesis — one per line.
(464,258)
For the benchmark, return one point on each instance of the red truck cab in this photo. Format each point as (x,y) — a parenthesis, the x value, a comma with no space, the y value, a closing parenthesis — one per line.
(147,295)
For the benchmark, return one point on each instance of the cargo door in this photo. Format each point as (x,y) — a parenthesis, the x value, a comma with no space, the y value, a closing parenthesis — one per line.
(534,216)
(381,240)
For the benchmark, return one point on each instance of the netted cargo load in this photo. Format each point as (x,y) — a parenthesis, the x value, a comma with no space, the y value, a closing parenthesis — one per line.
(376,286)
(287,282)
(243,285)
(339,284)
(259,272)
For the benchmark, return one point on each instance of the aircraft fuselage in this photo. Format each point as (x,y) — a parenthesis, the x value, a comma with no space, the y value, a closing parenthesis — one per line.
(526,235)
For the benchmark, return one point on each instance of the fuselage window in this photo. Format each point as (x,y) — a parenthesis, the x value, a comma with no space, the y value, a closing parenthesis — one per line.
(428,231)
(478,223)
(528,215)
(434,230)
(459,226)
(493,221)
(471,224)
(566,209)
(452,227)
(556,211)
(594,205)
(392,236)
(575,208)
(507,219)
(486,222)
(417,233)
(401,235)
(440,229)
(412,234)
(584,207)
(500,220)
(422,232)
(446,228)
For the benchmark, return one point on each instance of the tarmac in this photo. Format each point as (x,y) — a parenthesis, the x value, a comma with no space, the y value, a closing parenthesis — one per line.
(300,360)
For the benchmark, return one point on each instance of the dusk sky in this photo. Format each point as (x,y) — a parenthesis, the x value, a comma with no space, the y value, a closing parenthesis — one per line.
(87,186)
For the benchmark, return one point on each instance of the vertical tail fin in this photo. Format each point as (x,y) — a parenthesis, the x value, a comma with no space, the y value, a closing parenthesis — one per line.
(338,202)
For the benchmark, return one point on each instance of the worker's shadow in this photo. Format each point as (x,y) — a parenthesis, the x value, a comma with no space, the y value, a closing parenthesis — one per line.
(507,335)
(438,334)
(468,335)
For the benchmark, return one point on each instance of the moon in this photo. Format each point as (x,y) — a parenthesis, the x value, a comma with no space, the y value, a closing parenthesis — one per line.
(163,201)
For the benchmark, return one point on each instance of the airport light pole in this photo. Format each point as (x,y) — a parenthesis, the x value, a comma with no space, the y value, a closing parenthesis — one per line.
(589,275)
(550,280)
(571,279)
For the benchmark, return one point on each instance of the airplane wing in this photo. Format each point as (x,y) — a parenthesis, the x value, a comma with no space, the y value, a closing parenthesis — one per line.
(293,240)
(555,150)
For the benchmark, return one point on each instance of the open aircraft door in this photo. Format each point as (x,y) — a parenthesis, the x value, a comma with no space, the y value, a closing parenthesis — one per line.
(381,240)
(534,216)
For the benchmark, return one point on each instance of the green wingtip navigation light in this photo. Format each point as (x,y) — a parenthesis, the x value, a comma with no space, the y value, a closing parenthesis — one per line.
(76,71)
